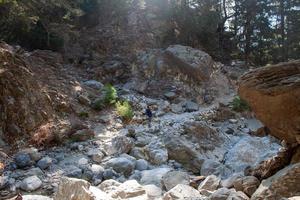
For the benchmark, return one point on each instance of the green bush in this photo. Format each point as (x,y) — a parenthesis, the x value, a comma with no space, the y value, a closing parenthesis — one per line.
(110,94)
(124,110)
(84,114)
(240,105)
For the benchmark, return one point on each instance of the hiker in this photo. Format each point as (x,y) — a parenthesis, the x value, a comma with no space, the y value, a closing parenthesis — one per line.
(149,115)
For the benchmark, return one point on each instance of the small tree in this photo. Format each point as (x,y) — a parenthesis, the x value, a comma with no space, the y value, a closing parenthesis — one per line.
(124,110)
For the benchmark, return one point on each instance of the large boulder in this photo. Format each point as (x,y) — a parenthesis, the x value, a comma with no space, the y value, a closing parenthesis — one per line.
(283,184)
(273,94)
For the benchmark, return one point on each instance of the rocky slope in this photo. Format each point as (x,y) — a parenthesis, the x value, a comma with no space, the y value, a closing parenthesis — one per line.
(194,149)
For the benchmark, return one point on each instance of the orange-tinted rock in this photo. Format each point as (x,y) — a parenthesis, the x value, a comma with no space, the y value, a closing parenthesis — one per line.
(273,93)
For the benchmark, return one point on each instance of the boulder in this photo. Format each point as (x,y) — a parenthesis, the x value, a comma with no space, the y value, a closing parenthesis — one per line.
(93,84)
(226,194)
(109,186)
(156,152)
(121,165)
(73,171)
(152,191)
(153,176)
(183,192)
(122,144)
(247,184)
(31,183)
(141,165)
(23,160)
(76,189)
(273,94)
(44,163)
(211,183)
(283,184)
(173,178)
(129,189)
(180,150)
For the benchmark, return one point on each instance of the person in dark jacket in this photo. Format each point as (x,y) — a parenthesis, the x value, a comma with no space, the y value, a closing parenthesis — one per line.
(149,115)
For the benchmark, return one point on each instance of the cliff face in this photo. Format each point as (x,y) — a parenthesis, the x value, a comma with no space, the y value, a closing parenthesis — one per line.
(21,95)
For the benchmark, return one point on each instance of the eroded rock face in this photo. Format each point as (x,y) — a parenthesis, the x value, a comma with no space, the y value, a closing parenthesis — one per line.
(284,183)
(20,95)
(273,93)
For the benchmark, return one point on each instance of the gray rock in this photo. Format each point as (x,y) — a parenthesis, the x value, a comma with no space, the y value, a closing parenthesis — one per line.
(3,182)
(44,163)
(122,144)
(190,106)
(141,165)
(154,176)
(110,174)
(170,95)
(33,153)
(31,183)
(210,167)
(93,84)
(96,155)
(173,178)
(73,171)
(23,160)
(121,165)
(226,194)
(35,172)
(247,184)
(156,152)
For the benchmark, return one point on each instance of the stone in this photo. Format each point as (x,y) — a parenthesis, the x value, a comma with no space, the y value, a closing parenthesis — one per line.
(84,100)
(176,108)
(247,184)
(70,188)
(211,183)
(285,183)
(154,176)
(35,172)
(228,183)
(35,197)
(141,165)
(109,186)
(190,106)
(94,84)
(31,184)
(23,160)
(44,163)
(122,144)
(121,165)
(156,152)
(250,151)
(82,135)
(233,121)
(180,150)
(212,167)
(138,153)
(96,155)
(170,95)
(129,189)
(109,174)
(173,178)
(33,153)
(182,192)
(272,93)
(227,194)
(73,171)
(152,191)
(4,180)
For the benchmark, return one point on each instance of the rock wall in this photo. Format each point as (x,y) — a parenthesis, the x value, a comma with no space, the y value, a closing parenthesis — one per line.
(273,93)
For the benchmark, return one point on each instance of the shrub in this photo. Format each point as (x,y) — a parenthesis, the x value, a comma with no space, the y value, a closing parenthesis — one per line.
(124,110)
(240,105)
(84,114)
(110,94)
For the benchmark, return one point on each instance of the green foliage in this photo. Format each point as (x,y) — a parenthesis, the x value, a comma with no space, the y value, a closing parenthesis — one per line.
(83,114)
(124,110)
(240,105)
(109,97)
(110,94)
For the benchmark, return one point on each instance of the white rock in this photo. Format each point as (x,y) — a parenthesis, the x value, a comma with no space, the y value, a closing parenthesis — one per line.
(181,192)
(129,189)
(153,176)
(211,183)
(31,183)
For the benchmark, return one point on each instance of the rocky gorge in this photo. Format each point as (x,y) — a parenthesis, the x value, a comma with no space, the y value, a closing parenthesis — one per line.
(197,147)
